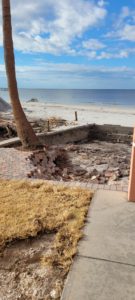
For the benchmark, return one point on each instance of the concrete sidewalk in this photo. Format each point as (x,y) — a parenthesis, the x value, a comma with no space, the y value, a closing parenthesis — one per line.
(104,268)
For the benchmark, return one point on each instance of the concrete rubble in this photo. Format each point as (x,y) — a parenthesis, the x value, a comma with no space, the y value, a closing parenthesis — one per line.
(97,162)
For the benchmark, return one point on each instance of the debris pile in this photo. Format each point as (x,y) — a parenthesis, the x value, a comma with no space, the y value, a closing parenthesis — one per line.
(41,126)
(7,130)
(97,162)
(100,162)
(46,163)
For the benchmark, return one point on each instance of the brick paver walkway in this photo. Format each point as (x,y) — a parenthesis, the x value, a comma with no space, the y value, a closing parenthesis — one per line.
(14,165)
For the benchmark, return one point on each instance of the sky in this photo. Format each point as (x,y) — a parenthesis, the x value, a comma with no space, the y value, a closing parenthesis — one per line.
(72,44)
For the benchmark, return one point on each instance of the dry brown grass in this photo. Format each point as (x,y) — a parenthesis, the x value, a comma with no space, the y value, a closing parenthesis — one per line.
(27,208)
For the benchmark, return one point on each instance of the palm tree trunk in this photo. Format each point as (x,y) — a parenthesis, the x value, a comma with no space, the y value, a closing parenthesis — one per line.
(24,129)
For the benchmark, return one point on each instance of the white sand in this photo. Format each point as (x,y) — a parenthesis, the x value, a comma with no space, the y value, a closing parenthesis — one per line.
(86,114)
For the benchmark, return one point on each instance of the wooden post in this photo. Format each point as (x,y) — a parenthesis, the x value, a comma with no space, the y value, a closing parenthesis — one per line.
(48,126)
(76,116)
(131,190)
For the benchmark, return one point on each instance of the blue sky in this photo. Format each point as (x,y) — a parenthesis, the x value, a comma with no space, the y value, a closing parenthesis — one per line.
(73,43)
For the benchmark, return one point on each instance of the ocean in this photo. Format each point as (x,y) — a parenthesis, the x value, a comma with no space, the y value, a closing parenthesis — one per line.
(103,97)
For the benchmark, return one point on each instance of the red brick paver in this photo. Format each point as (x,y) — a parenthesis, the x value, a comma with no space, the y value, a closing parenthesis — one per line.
(13,164)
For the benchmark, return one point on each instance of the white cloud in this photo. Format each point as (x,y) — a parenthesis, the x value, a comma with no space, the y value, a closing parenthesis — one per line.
(128,33)
(57,27)
(93,44)
(124,27)
(45,70)
(124,14)
(101,3)
(52,75)
(51,26)
(117,54)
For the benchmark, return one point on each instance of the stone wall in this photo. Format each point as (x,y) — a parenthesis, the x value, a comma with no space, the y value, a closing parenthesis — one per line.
(65,136)
(113,133)
(108,133)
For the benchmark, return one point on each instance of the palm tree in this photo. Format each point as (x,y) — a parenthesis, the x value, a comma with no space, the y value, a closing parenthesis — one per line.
(24,129)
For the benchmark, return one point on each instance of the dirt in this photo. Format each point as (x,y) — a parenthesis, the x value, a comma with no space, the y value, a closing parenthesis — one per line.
(33,266)
(22,276)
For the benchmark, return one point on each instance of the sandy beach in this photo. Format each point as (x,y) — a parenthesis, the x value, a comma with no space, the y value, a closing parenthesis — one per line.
(87,114)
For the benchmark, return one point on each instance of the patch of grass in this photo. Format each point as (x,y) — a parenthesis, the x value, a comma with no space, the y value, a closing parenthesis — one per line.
(27,208)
